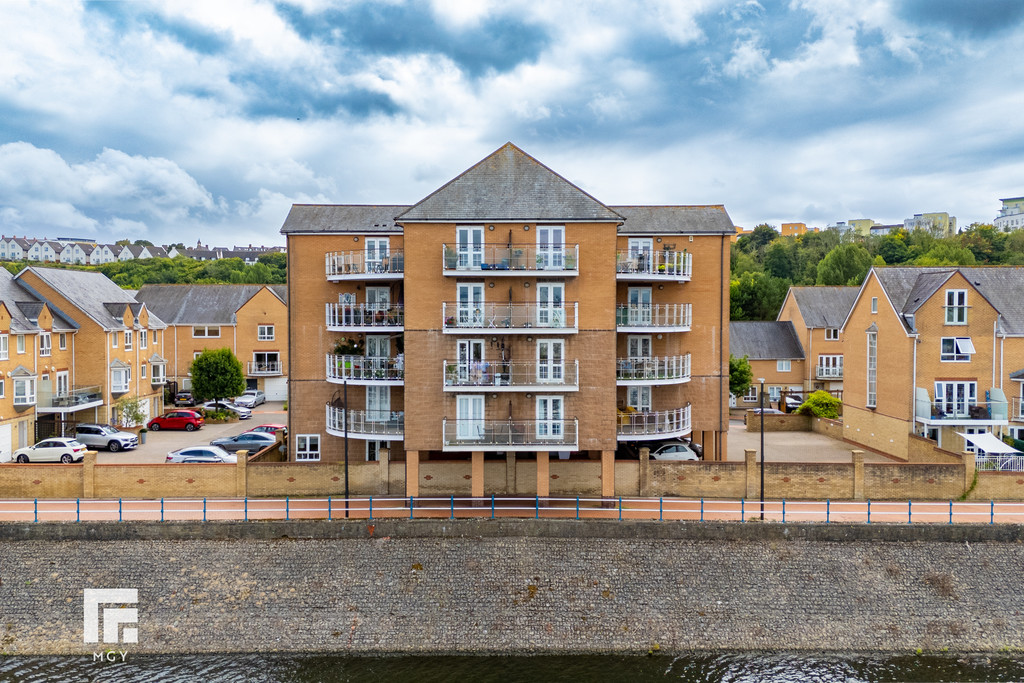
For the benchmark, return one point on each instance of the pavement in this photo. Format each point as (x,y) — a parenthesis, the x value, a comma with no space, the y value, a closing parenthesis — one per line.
(792,446)
(159,444)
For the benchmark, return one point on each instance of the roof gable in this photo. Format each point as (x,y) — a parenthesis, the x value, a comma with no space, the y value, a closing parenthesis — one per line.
(823,306)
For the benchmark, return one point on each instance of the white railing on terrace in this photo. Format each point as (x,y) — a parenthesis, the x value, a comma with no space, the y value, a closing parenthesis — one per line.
(342,264)
(362,422)
(510,259)
(653,369)
(342,316)
(511,374)
(1000,463)
(538,434)
(673,265)
(828,372)
(269,368)
(665,423)
(363,368)
(457,316)
(653,315)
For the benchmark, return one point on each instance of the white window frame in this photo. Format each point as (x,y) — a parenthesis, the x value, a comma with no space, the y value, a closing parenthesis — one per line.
(774,394)
(956,349)
(28,395)
(550,247)
(550,304)
(964,394)
(3,387)
(143,339)
(307,447)
(113,339)
(45,344)
(831,334)
(21,343)
(639,398)
(264,333)
(874,304)
(783,366)
(377,250)
(205,332)
(142,371)
(872,370)
(550,361)
(63,383)
(120,380)
(4,346)
(470,304)
(469,247)
(551,417)
(470,416)
(830,361)
(373,449)
(62,341)
(158,374)
(956,307)
(129,340)
(751,395)
(262,361)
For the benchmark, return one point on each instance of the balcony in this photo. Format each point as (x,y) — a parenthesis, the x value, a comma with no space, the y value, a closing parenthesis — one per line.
(70,400)
(365,317)
(658,370)
(510,435)
(510,318)
(968,411)
(363,370)
(1018,409)
(675,266)
(371,425)
(354,265)
(828,372)
(266,369)
(649,425)
(516,260)
(511,376)
(656,317)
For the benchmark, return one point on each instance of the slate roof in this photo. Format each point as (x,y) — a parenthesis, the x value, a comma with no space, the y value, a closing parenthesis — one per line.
(201,304)
(765,340)
(824,306)
(675,219)
(25,307)
(1003,287)
(89,291)
(509,185)
(1018,375)
(360,218)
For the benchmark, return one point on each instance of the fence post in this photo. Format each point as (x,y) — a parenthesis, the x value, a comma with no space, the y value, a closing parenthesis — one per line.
(35,509)
(620,508)
(702,509)
(245,507)
(827,511)
(287,508)
(577,508)
(371,508)
(743,514)
(120,511)
(661,509)
(537,504)
(161,509)
(783,510)
(910,512)
(204,509)
(453,507)
(950,510)
(992,512)
(410,507)
(329,505)
(492,506)
(869,511)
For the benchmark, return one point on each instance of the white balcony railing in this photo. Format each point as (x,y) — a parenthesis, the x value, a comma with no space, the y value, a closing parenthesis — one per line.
(662,424)
(344,265)
(654,316)
(666,369)
(510,259)
(475,435)
(364,317)
(828,372)
(254,368)
(365,370)
(533,318)
(511,375)
(654,265)
(366,424)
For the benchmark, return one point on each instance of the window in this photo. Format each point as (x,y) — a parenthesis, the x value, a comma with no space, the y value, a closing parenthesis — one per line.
(24,391)
(44,343)
(265,333)
(307,447)
(774,394)
(3,388)
(872,369)
(831,334)
(470,304)
(158,376)
(373,449)
(196,354)
(62,341)
(549,417)
(265,363)
(874,304)
(120,378)
(142,371)
(783,365)
(21,343)
(955,398)
(956,306)
(113,340)
(639,398)
(144,339)
(129,339)
(751,395)
(3,346)
(830,366)
(156,337)
(956,349)
(205,331)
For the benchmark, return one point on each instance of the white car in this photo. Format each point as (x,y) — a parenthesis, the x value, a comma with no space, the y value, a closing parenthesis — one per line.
(674,450)
(200,454)
(251,398)
(242,412)
(56,449)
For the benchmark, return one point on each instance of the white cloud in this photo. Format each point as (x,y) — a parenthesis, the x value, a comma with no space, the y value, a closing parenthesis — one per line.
(748,58)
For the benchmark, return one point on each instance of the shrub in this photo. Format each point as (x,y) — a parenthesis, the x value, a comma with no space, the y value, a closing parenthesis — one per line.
(821,404)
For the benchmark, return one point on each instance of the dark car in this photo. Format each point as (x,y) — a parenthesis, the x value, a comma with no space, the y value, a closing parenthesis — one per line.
(250,442)
(184,398)
(189,420)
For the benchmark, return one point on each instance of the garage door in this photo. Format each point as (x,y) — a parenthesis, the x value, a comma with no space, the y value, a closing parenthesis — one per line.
(276,388)
(5,441)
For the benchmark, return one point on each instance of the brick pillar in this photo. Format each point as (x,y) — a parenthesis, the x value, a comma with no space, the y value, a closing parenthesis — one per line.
(241,479)
(384,471)
(970,465)
(753,474)
(412,473)
(608,474)
(722,445)
(477,472)
(89,474)
(858,474)
(645,471)
(543,474)
(510,473)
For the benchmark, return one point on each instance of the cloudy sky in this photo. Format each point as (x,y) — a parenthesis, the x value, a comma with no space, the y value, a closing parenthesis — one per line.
(188,120)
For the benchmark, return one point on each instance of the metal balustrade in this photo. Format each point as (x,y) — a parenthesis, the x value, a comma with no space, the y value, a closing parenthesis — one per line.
(654,265)
(456,317)
(511,375)
(268,368)
(828,372)
(355,265)
(671,317)
(510,259)
(511,434)
(662,370)
(660,424)
(364,317)
(366,424)
(364,370)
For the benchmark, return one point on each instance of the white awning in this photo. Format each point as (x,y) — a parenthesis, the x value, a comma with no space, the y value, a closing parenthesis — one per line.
(988,442)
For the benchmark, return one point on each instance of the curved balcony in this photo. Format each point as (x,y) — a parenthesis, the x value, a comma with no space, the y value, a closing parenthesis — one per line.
(355,265)
(659,370)
(365,317)
(371,425)
(516,260)
(650,425)
(511,376)
(657,317)
(363,370)
(675,266)
(457,318)
(511,435)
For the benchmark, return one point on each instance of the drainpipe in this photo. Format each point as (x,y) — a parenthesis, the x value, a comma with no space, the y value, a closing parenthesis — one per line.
(913,385)
(721,333)
(995,327)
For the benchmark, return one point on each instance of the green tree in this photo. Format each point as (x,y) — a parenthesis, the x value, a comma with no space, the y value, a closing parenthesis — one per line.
(779,259)
(847,264)
(946,253)
(740,375)
(758,239)
(217,374)
(893,250)
(756,296)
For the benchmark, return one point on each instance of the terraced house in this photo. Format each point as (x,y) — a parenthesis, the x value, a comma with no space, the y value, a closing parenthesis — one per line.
(506,333)
(817,314)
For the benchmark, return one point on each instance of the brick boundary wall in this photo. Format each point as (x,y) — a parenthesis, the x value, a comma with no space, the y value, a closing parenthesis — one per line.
(517,586)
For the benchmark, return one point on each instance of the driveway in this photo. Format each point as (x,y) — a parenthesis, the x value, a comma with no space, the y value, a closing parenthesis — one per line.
(792,446)
(158,444)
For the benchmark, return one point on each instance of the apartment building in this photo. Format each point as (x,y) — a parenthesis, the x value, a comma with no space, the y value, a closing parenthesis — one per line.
(251,320)
(934,352)
(1011,215)
(817,314)
(508,317)
(775,354)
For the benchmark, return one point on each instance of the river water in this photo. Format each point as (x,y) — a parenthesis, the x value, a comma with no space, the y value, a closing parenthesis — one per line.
(732,667)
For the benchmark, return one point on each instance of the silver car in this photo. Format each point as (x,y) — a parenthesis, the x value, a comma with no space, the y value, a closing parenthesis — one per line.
(251,398)
(242,412)
(105,436)
(200,454)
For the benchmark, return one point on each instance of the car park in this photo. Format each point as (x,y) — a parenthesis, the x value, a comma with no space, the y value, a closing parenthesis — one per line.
(270,428)
(251,398)
(54,449)
(242,412)
(184,398)
(189,420)
(105,436)
(250,442)
(201,454)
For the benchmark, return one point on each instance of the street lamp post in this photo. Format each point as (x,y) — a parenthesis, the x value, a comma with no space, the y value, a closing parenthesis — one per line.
(761,399)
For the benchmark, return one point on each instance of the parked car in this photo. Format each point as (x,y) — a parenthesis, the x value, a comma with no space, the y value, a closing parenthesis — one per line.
(793,402)
(242,412)
(660,450)
(189,420)
(184,398)
(105,436)
(56,449)
(251,398)
(200,454)
(250,442)
(674,450)
(270,428)
(757,411)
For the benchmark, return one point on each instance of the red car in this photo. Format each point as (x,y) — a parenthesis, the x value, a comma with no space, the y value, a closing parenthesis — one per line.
(189,420)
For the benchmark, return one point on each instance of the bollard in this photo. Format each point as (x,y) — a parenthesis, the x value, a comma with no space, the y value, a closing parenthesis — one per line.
(120,515)
(992,512)
(702,509)
(743,515)
(329,505)
(537,503)
(453,507)
(783,510)
(245,508)
(204,509)
(35,509)
(950,511)
(620,508)
(577,508)
(869,511)
(161,509)
(661,509)
(910,512)
(410,507)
